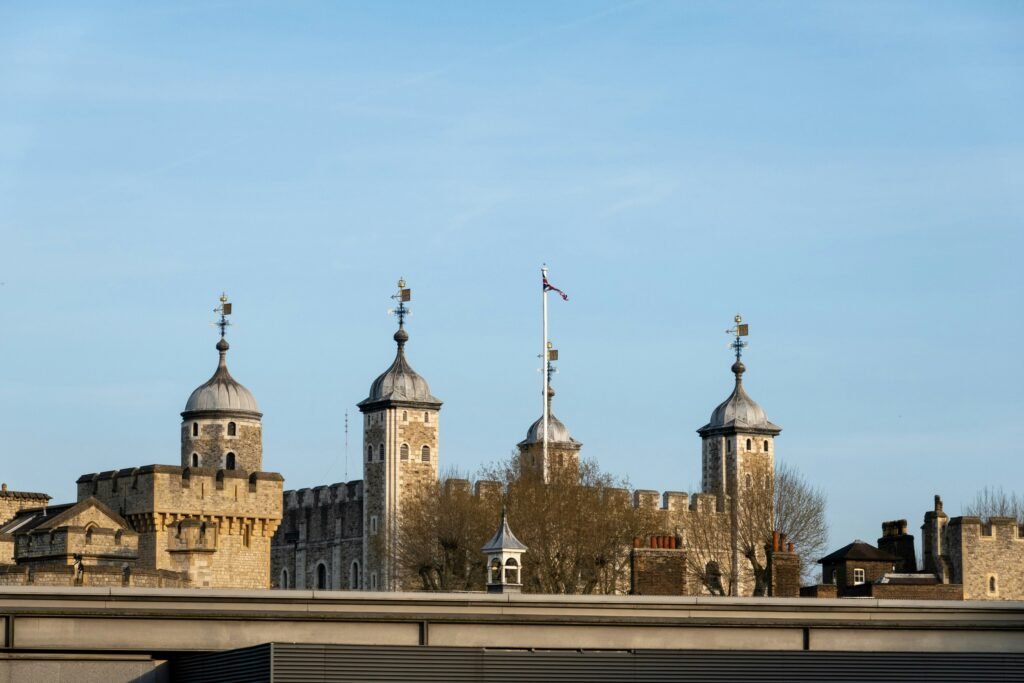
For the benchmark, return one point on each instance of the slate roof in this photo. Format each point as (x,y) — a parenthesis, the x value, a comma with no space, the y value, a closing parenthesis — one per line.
(858,550)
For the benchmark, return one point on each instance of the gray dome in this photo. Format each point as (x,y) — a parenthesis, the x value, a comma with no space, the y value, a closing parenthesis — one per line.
(558,432)
(400,382)
(739,411)
(221,393)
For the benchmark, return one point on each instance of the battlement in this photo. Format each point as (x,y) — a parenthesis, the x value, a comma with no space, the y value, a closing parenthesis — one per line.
(1007,527)
(170,489)
(340,492)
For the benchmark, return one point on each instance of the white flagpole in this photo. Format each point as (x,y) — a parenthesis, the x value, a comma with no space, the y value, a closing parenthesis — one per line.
(544,370)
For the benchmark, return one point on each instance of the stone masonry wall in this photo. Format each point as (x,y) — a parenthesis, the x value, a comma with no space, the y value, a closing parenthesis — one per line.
(213,443)
(245,510)
(13,501)
(979,552)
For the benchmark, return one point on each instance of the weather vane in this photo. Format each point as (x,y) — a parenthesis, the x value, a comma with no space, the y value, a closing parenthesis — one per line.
(225,310)
(552,357)
(403,295)
(739,330)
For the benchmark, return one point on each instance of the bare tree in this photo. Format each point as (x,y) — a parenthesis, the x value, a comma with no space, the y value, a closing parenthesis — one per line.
(993,501)
(708,546)
(800,514)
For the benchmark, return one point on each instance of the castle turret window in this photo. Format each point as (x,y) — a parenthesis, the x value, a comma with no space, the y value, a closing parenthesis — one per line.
(425,453)
(321,576)
(426,417)
(229,461)
(195,460)
(992,585)
(750,445)
(195,429)
(284,579)
(403,452)
(405,416)
(380,452)
(369,454)
(353,575)
(766,445)
(232,429)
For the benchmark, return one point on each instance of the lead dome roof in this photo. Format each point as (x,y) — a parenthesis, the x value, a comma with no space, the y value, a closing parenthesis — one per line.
(400,383)
(222,393)
(739,412)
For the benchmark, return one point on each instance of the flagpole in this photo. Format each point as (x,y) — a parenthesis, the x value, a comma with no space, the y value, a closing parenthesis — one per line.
(544,370)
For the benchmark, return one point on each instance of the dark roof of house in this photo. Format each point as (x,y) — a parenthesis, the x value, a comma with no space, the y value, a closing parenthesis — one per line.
(54,516)
(858,550)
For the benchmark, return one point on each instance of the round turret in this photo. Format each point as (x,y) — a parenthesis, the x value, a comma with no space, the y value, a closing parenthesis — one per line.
(221,393)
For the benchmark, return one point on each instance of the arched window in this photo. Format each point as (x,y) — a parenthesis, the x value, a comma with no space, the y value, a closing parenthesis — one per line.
(750,481)
(88,535)
(380,452)
(369,454)
(229,461)
(992,584)
(353,575)
(321,576)
(766,445)
(750,445)
(511,571)
(403,452)
(195,460)
(195,429)
(426,417)
(405,416)
(425,453)
(495,570)
(232,429)
(284,580)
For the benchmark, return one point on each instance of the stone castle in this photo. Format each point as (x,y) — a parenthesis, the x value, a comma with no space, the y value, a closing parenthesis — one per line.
(218,520)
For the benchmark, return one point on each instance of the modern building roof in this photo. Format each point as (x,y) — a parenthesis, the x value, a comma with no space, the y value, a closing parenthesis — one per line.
(503,539)
(739,412)
(858,550)
(222,393)
(400,383)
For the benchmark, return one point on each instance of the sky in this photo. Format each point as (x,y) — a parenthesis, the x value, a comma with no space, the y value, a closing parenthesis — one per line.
(847,176)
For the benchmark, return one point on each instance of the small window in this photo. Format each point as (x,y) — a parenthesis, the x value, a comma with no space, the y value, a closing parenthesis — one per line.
(986,529)
(511,571)
(766,445)
(405,416)
(373,581)
(195,429)
(369,454)
(284,579)
(858,576)
(728,446)
(88,535)
(426,417)
(229,461)
(992,585)
(232,429)
(404,451)
(321,576)
(425,454)
(750,445)
(380,452)
(353,575)
(750,481)
(373,524)
(195,460)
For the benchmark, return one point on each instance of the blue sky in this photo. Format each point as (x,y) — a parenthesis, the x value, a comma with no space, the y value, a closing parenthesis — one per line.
(848,176)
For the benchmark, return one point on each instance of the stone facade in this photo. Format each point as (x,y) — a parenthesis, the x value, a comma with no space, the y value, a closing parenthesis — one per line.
(319,544)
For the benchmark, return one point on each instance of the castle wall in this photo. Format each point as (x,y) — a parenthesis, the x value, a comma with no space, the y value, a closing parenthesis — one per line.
(245,510)
(979,552)
(322,525)
(13,501)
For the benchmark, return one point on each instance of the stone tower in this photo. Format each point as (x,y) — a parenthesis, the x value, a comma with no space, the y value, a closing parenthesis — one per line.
(738,452)
(221,426)
(400,455)
(563,450)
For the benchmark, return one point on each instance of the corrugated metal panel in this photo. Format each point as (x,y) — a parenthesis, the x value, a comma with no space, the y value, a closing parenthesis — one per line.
(338,663)
(248,665)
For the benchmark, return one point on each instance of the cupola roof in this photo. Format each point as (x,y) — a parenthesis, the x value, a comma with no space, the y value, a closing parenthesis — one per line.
(558,433)
(222,393)
(503,539)
(400,383)
(739,412)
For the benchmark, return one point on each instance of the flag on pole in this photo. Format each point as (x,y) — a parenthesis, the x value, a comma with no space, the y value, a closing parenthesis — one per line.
(549,288)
